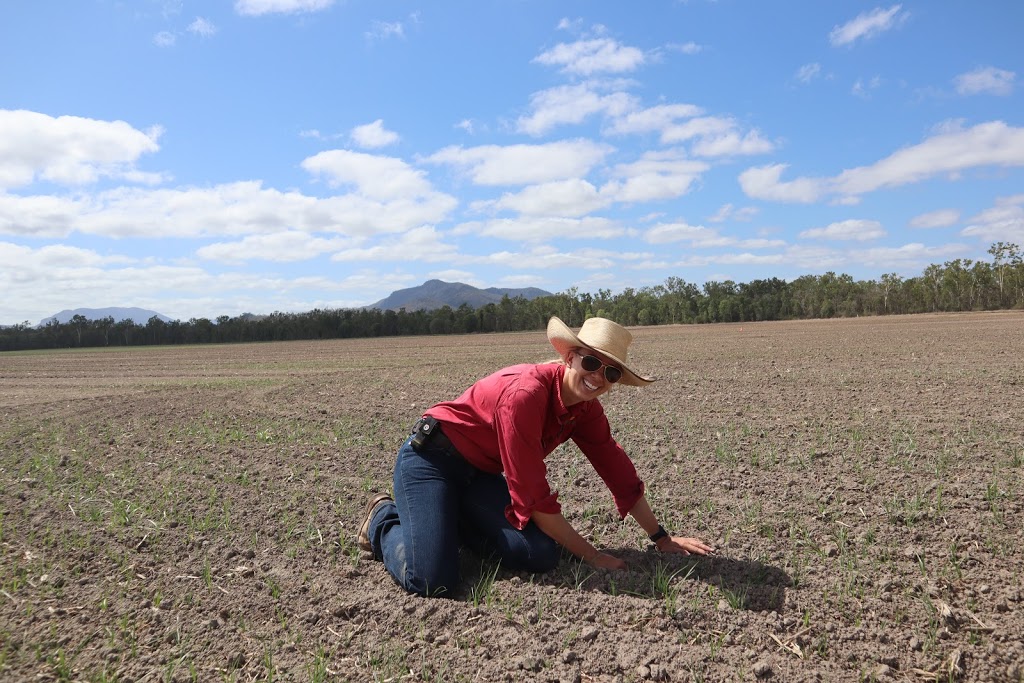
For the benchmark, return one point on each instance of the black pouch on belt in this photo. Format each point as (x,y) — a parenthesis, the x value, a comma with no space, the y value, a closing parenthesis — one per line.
(422,432)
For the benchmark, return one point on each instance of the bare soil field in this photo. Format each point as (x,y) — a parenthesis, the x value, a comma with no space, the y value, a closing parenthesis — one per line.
(189,514)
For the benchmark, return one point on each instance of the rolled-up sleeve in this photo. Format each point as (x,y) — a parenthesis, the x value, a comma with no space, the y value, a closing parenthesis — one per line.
(593,435)
(518,423)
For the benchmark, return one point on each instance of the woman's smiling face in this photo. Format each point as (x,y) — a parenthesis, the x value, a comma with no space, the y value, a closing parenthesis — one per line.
(579,385)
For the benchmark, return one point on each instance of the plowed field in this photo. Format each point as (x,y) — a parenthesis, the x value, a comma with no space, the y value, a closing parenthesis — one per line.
(189,514)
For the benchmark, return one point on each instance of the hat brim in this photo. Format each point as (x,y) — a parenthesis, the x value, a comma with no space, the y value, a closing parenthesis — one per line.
(564,340)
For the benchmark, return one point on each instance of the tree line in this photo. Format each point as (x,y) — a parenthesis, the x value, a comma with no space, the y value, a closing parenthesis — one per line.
(958,285)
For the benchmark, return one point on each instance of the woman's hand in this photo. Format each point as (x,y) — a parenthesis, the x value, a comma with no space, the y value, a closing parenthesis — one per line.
(684,546)
(605,561)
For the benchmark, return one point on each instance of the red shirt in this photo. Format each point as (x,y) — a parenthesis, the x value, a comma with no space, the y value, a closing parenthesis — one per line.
(510,421)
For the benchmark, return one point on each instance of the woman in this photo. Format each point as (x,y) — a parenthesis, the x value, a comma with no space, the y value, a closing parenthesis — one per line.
(473,469)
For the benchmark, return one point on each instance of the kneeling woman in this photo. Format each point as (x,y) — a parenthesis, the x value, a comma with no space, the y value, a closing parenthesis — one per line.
(473,469)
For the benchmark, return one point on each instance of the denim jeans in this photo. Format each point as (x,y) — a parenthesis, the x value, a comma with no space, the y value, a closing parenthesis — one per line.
(441,502)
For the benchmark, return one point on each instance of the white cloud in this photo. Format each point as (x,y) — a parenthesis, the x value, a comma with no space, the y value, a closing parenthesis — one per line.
(853,229)
(712,136)
(571,104)
(808,72)
(70,150)
(732,144)
(377,177)
(653,119)
(986,144)
(867,25)
(571,197)
(425,242)
(373,135)
(951,151)
(202,27)
(381,30)
(657,175)
(541,228)
(862,89)
(548,258)
(52,278)
(165,39)
(765,182)
(255,8)
(728,212)
(985,80)
(1004,222)
(288,245)
(597,55)
(941,218)
(524,164)
(665,233)
(689,48)
(910,258)
(242,208)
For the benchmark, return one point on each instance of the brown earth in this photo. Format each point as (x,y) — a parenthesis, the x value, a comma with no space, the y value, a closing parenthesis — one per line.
(176,514)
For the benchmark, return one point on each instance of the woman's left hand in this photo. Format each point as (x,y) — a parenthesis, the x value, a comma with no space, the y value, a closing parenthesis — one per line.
(684,546)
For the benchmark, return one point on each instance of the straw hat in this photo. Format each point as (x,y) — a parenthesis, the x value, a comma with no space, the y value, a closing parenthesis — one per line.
(599,334)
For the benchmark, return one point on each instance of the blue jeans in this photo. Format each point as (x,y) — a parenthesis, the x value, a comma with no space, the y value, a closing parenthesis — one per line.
(441,501)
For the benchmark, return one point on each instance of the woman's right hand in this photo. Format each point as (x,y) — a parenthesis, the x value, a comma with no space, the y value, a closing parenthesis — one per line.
(605,561)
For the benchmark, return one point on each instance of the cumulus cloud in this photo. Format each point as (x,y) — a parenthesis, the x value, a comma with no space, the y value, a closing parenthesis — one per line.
(372,135)
(524,164)
(588,57)
(808,72)
(570,197)
(381,30)
(70,150)
(665,233)
(52,278)
(853,229)
(985,80)
(867,25)
(548,258)
(951,151)
(765,182)
(202,27)
(255,8)
(711,136)
(241,208)
(288,245)
(862,88)
(1003,222)
(658,118)
(941,218)
(165,39)
(662,174)
(377,177)
(700,237)
(571,104)
(689,48)
(542,228)
(728,212)
(427,243)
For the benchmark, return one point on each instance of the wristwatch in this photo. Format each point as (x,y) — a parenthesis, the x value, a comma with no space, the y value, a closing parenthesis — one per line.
(658,535)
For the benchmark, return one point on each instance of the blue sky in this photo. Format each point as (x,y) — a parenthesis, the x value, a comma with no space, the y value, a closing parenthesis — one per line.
(212,158)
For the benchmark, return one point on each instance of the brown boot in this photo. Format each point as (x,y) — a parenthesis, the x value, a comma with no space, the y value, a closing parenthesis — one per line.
(364,528)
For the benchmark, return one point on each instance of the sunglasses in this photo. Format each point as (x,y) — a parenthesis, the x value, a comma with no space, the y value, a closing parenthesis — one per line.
(592,363)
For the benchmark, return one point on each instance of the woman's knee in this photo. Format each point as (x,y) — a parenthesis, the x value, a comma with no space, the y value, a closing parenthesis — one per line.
(533,552)
(438,585)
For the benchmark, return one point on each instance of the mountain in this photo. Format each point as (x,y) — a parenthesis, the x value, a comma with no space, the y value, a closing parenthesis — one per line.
(437,293)
(139,316)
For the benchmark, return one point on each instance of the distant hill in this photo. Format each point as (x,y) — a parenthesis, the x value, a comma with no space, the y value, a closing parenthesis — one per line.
(140,316)
(434,294)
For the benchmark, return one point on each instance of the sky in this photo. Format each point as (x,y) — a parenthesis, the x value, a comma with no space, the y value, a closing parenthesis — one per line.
(213,158)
